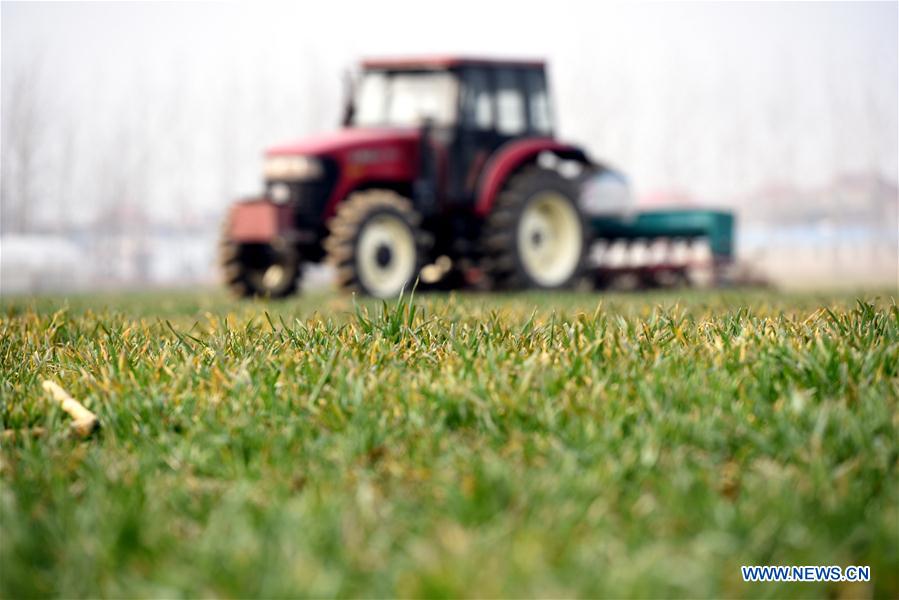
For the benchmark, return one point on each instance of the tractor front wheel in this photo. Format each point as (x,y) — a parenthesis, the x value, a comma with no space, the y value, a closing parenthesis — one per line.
(536,236)
(259,269)
(376,243)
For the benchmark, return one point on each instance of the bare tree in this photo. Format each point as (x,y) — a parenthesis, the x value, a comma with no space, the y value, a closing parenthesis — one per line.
(65,170)
(22,128)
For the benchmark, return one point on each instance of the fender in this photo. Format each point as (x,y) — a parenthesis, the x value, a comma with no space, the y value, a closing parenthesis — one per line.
(509,157)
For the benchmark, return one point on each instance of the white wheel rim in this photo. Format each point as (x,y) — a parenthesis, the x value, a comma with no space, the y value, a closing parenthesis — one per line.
(550,239)
(385,255)
(273,276)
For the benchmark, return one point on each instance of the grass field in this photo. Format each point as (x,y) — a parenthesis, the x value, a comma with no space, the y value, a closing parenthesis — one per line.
(532,445)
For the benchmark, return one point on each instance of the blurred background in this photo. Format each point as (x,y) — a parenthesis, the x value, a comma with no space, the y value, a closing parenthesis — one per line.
(128,129)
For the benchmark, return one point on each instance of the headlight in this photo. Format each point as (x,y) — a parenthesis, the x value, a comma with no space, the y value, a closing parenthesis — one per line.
(292,167)
(280,193)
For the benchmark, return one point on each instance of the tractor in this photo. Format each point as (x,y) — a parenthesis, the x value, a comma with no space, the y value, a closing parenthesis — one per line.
(447,173)
(446,170)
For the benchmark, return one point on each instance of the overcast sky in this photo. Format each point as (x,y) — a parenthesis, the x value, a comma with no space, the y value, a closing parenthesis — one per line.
(176,101)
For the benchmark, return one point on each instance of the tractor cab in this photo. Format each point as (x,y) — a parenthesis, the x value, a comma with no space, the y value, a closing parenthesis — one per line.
(466,108)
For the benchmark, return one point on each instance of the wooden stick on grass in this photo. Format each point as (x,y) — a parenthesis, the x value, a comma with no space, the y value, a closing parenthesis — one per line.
(84,421)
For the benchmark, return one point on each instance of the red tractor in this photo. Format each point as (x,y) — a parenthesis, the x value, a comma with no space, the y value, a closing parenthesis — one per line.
(445,169)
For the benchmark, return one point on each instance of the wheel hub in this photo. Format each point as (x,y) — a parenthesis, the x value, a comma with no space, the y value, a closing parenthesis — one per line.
(273,276)
(383,255)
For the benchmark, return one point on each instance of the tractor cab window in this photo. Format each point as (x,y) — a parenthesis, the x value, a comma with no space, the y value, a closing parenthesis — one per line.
(405,98)
(511,119)
(538,102)
(477,101)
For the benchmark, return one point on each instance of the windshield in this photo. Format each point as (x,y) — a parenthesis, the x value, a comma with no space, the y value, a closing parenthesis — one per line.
(405,98)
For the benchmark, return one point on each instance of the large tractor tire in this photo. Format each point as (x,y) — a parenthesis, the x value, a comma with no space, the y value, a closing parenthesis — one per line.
(376,243)
(536,236)
(259,270)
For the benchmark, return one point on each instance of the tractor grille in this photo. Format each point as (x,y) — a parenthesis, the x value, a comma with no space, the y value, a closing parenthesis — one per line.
(309,197)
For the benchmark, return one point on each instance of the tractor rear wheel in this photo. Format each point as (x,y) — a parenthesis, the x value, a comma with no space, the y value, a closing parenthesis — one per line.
(259,269)
(376,243)
(536,236)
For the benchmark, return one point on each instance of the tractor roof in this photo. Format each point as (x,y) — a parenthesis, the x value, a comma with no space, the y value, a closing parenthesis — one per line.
(446,62)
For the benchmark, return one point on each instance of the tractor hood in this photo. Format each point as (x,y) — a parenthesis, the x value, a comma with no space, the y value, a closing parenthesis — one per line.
(346,139)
